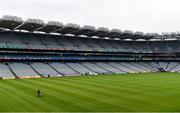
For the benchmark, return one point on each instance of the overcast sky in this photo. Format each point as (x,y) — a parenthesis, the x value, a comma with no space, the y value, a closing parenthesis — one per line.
(136,15)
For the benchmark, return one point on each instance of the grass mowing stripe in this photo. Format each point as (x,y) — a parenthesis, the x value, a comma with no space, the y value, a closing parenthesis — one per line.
(128,92)
(114,85)
(18,99)
(111,92)
(82,95)
(150,83)
(51,93)
(30,97)
(152,92)
(95,89)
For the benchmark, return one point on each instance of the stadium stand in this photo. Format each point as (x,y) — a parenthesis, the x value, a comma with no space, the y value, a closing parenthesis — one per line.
(23,70)
(32,48)
(95,68)
(79,68)
(64,69)
(44,69)
(109,68)
(5,71)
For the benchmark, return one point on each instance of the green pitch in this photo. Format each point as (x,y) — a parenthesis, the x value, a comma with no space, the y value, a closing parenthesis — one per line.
(129,92)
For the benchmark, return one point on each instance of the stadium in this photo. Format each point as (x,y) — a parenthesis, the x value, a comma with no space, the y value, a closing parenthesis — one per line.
(83,68)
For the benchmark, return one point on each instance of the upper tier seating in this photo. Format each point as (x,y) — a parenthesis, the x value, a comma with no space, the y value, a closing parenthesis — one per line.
(50,42)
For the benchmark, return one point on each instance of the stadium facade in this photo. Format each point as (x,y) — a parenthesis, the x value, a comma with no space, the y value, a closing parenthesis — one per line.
(31,48)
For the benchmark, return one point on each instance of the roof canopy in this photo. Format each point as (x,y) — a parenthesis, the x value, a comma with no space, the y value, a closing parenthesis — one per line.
(10,22)
(31,25)
(51,26)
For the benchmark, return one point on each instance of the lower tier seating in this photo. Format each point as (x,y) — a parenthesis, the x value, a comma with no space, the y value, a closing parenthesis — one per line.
(56,69)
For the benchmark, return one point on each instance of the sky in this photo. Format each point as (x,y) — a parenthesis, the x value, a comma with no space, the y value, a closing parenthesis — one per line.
(136,15)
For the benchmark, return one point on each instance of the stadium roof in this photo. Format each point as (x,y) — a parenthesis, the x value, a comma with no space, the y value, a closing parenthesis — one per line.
(31,25)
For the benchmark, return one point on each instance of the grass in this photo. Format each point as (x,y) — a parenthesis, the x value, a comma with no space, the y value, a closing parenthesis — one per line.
(149,92)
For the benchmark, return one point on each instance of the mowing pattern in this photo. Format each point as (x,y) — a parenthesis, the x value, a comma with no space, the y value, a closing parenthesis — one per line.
(133,92)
